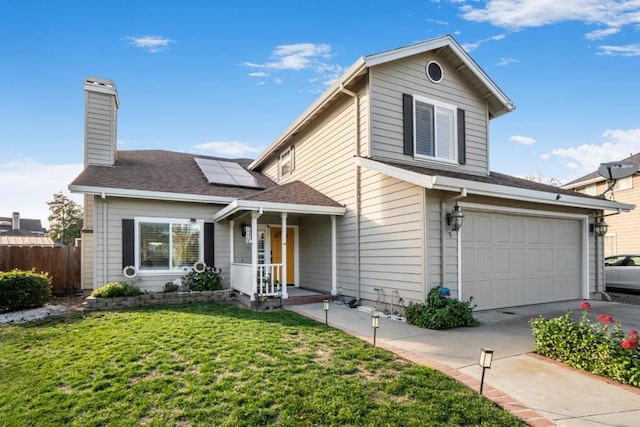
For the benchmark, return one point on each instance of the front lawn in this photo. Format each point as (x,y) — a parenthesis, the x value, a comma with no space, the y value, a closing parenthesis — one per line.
(217,364)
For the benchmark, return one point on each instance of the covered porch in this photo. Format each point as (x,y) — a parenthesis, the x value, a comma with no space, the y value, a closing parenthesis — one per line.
(270,237)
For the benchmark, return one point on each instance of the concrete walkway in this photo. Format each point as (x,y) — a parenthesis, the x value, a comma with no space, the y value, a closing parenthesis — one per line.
(537,390)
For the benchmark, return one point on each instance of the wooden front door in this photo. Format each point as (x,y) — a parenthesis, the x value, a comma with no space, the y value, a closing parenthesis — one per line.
(276,251)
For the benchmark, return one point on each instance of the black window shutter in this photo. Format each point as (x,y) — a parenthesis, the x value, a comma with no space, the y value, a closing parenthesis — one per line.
(128,231)
(407,117)
(208,243)
(462,138)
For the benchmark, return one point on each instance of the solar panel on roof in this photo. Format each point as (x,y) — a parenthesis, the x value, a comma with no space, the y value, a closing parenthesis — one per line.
(226,173)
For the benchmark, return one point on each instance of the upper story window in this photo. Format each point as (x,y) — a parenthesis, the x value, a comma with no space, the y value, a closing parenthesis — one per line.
(433,130)
(285,164)
(167,244)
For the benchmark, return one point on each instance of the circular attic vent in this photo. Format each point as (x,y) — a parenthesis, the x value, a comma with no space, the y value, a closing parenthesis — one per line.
(434,71)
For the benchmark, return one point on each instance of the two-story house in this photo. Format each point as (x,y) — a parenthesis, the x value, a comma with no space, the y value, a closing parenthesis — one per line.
(379,191)
(623,234)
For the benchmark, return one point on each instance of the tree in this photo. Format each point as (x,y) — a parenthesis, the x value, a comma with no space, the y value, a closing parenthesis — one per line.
(65,220)
(543,180)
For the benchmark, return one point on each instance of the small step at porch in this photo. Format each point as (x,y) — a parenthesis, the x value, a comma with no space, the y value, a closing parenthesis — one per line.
(296,296)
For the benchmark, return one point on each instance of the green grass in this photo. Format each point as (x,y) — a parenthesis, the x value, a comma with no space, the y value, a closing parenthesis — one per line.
(220,365)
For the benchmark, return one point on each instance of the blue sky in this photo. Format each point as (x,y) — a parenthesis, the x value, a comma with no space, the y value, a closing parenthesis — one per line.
(226,78)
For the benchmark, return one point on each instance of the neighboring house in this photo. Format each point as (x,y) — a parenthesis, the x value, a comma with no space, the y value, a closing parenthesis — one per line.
(364,183)
(623,234)
(16,231)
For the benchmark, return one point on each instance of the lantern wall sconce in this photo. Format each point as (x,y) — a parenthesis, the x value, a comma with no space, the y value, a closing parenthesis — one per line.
(245,230)
(599,227)
(375,324)
(455,218)
(486,357)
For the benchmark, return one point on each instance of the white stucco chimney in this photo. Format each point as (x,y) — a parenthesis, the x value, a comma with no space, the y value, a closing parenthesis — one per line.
(15,221)
(100,121)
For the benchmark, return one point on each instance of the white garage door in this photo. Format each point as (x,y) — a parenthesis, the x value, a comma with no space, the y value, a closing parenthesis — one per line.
(510,260)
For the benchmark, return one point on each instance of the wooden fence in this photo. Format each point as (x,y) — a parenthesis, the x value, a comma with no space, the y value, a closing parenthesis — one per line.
(62,264)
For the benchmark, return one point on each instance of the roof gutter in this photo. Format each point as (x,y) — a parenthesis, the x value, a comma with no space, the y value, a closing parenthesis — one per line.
(145,194)
(259,206)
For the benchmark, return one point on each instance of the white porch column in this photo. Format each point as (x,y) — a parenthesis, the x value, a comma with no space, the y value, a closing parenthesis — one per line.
(334,258)
(283,217)
(231,239)
(254,254)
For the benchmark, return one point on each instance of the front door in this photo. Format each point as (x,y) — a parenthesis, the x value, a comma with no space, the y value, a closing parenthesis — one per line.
(276,251)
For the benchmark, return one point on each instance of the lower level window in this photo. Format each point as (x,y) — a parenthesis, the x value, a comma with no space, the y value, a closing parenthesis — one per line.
(168,244)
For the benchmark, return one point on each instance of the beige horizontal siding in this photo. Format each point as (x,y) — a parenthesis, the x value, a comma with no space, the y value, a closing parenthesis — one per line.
(119,208)
(100,129)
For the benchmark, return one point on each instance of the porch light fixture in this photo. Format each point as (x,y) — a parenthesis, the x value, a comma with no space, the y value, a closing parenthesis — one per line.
(245,230)
(375,324)
(455,218)
(486,357)
(599,227)
(325,305)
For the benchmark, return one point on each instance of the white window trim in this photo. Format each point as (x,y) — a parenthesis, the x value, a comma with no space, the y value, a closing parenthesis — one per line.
(454,143)
(290,152)
(136,233)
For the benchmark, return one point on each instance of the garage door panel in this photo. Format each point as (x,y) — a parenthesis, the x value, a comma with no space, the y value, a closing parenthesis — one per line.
(500,261)
(517,259)
(516,230)
(532,260)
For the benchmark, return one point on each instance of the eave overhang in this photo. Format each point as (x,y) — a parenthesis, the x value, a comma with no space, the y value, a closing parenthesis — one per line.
(446,183)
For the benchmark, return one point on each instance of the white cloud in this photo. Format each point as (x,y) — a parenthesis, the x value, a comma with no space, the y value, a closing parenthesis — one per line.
(506,61)
(586,158)
(229,149)
(628,50)
(153,44)
(522,140)
(473,46)
(28,185)
(295,57)
(299,57)
(601,34)
(517,14)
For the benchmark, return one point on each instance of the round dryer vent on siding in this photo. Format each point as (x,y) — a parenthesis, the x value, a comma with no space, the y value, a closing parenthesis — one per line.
(434,71)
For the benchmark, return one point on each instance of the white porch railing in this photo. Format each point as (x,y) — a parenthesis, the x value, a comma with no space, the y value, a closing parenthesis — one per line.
(269,279)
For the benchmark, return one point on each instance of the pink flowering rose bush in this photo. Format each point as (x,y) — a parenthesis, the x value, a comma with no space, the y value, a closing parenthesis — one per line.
(600,347)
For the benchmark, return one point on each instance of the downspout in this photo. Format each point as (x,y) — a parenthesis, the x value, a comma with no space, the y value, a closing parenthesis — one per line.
(443,237)
(104,238)
(356,101)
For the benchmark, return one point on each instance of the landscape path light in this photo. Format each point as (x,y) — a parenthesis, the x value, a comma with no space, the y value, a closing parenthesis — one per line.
(326,311)
(486,357)
(375,324)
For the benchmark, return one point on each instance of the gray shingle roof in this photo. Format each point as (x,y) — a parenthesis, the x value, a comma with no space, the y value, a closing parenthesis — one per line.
(494,178)
(173,172)
(295,192)
(163,171)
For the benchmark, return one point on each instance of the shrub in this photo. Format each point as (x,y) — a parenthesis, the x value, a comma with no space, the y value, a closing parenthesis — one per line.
(601,348)
(116,289)
(208,280)
(440,312)
(20,290)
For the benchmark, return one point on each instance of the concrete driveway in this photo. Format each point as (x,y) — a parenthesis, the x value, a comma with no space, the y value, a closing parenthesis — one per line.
(539,391)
